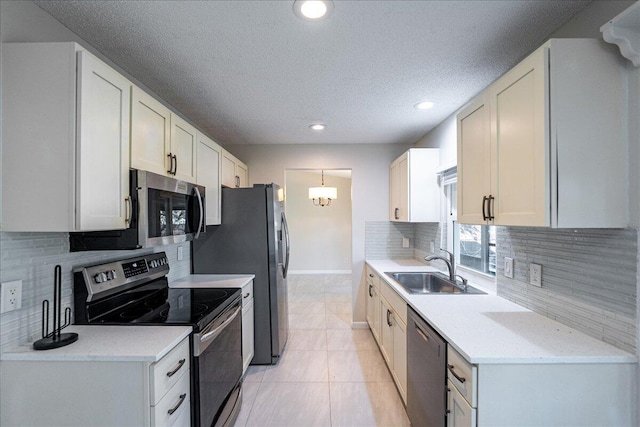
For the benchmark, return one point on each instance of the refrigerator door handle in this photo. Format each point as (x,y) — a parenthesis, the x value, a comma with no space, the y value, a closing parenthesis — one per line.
(285,228)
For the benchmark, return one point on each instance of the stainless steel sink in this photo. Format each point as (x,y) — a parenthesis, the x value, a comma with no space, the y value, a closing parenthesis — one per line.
(431,283)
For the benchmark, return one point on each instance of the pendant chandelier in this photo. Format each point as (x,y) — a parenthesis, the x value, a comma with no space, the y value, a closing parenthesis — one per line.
(322,196)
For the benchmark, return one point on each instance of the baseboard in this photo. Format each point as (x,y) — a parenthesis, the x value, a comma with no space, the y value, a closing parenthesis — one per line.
(359,325)
(319,271)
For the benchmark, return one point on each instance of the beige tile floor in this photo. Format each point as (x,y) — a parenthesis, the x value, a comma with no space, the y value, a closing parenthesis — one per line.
(330,374)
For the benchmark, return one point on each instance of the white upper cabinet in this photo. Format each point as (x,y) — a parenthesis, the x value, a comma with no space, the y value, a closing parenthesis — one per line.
(209,171)
(235,174)
(184,147)
(545,145)
(65,140)
(161,142)
(414,194)
(150,133)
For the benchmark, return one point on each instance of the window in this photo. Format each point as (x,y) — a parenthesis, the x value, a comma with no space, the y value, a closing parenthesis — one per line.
(473,245)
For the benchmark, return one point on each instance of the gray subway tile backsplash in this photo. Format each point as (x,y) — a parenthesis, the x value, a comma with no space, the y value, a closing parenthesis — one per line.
(589,278)
(31,257)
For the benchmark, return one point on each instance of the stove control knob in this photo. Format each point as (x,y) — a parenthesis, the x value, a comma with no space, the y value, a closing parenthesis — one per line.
(154,263)
(164,261)
(97,278)
(113,274)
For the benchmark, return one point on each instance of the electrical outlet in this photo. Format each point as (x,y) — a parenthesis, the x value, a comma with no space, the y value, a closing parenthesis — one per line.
(10,296)
(432,246)
(405,242)
(180,253)
(535,274)
(508,267)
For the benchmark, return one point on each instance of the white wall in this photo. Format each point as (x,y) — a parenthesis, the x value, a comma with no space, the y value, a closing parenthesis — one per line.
(369,164)
(320,236)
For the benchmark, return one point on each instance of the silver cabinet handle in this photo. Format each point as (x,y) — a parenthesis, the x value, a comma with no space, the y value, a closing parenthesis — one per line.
(175,166)
(422,334)
(371,275)
(388,319)
(370,294)
(247,295)
(175,408)
(458,377)
(177,368)
(396,213)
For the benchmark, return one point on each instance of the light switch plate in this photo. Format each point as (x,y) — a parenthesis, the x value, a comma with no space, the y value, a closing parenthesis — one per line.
(535,275)
(405,242)
(180,253)
(508,267)
(432,246)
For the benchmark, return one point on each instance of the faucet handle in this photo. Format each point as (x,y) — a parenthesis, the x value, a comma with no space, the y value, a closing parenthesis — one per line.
(465,282)
(451,256)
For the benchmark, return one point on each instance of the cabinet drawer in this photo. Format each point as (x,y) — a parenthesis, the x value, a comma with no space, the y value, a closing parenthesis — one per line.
(463,375)
(167,371)
(397,303)
(247,294)
(372,276)
(173,404)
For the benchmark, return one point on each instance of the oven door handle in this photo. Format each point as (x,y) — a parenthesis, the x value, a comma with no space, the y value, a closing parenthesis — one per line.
(212,331)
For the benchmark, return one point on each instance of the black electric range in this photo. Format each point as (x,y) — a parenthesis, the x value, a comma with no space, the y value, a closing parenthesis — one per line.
(135,291)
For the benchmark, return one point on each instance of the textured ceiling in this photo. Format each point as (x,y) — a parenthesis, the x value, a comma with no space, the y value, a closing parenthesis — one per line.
(251,72)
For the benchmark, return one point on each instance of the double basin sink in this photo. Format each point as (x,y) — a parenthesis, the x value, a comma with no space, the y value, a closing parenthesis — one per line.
(432,283)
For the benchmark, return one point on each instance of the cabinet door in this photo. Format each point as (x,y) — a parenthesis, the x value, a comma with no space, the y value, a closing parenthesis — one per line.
(403,187)
(459,412)
(184,148)
(102,145)
(386,332)
(394,191)
(242,172)
(519,138)
(247,335)
(373,310)
(228,170)
(209,157)
(150,133)
(400,356)
(474,161)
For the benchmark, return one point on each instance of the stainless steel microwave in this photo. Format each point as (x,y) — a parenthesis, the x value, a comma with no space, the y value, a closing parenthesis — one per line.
(163,211)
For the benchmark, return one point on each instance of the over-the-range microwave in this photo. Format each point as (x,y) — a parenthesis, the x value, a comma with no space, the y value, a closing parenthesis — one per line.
(163,211)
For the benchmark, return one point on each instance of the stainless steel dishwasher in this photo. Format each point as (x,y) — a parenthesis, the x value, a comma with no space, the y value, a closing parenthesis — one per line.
(426,373)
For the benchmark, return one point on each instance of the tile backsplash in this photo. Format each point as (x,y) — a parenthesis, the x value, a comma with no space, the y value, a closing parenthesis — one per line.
(31,257)
(383,239)
(589,278)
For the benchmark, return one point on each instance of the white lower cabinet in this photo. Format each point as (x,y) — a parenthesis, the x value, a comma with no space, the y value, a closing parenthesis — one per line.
(387,318)
(98,393)
(248,344)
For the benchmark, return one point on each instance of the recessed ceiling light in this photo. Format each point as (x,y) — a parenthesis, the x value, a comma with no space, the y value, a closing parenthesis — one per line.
(318,126)
(312,10)
(425,105)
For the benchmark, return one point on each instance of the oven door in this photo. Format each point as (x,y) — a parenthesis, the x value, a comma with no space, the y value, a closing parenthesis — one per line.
(217,365)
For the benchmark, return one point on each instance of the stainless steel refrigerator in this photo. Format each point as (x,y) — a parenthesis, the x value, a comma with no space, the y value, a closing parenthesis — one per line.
(253,239)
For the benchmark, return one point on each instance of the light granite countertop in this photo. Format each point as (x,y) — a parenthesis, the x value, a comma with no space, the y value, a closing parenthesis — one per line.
(104,343)
(213,281)
(490,329)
